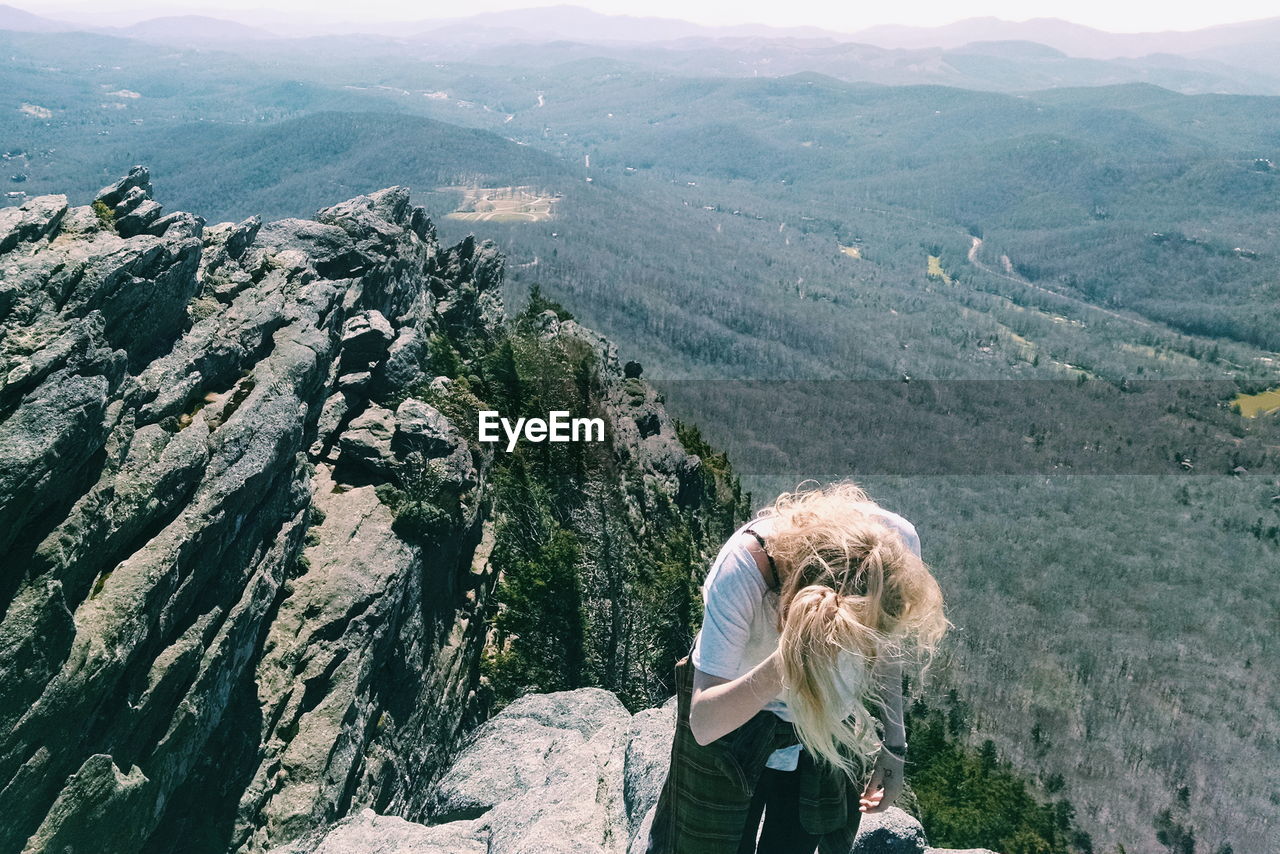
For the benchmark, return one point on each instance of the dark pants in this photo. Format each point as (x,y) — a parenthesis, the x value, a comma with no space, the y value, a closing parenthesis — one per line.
(778,797)
(714,794)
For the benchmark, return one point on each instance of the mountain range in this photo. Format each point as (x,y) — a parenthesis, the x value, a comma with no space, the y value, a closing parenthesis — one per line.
(576,23)
(980,53)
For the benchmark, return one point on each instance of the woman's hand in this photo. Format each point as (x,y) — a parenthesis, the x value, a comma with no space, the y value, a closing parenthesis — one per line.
(885,784)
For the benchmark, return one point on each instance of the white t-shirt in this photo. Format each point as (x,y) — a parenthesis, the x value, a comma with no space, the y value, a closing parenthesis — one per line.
(740,618)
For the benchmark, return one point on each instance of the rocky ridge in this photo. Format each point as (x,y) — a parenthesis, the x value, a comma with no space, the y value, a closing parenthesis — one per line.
(214,635)
(565,773)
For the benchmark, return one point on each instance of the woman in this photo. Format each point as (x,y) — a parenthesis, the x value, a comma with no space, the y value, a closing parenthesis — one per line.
(811,610)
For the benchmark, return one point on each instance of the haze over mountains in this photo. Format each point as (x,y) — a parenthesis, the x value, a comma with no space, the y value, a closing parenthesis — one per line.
(1075,39)
(977,53)
(574,23)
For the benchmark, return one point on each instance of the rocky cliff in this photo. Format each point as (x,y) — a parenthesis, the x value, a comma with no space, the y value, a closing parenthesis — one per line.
(254,556)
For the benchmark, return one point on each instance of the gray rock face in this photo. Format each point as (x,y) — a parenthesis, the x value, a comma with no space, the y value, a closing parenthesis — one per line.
(647,758)
(130,203)
(370,833)
(545,775)
(402,369)
(206,632)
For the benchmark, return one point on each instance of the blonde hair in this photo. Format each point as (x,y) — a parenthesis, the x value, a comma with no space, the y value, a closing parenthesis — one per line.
(851,589)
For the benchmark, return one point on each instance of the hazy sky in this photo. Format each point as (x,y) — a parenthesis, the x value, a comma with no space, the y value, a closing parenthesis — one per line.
(1122,16)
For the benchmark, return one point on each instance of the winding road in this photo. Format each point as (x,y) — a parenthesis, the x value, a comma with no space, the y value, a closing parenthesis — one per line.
(976,246)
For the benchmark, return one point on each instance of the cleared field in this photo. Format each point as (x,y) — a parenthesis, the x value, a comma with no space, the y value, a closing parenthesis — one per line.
(1023,347)
(1262,403)
(935,270)
(1164,355)
(503,204)
(851,251)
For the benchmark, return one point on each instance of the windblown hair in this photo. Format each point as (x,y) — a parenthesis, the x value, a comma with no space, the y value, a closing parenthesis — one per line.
(852,594)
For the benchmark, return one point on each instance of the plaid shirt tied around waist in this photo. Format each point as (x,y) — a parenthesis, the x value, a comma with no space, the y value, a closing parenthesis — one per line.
(704,802)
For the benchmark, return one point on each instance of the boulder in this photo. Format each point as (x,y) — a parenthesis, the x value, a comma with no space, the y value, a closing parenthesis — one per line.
(422,428)
(647,760)
(128,192)
(535,741)
(326,249)
(366,443)
(356,382)
(35,219)
(402,369)
(365,339)
(370,833)
(377,216)
(241,235)
(177,223)
(139,219)
(890,832)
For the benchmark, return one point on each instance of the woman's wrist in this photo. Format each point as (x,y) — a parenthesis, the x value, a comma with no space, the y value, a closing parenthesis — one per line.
(898,751)
(768,677)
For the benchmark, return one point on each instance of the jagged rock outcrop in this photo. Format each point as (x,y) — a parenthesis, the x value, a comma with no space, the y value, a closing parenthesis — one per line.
(215,635)
(564,773)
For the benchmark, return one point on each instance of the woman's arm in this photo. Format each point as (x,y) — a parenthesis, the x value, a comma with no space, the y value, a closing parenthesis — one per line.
(887,779)
(888,676)
(719,706)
